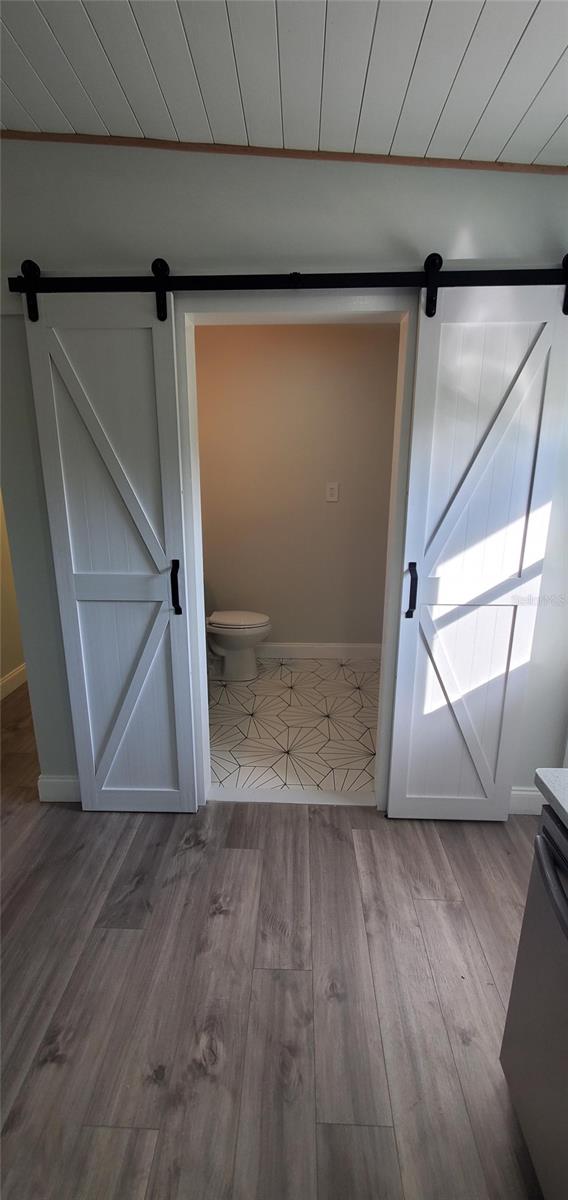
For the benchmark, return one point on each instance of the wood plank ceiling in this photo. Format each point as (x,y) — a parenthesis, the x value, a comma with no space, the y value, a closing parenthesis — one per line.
(457,79)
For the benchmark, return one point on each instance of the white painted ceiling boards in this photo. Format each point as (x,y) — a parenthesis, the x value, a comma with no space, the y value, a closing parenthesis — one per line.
(426,78)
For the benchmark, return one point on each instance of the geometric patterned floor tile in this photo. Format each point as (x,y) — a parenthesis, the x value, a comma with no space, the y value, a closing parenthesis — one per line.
(368,715)
(223,742)
(343,780)
(340,728)
(335,687)
(253,777)
(268,685)
(305,724)
(299,695)
(296,716)
(347,753)
(301,666)
(264,718)
(257,752)
(366,691)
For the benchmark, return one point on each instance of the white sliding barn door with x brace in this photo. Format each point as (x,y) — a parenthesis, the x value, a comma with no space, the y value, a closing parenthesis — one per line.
(490,385)
(104,381)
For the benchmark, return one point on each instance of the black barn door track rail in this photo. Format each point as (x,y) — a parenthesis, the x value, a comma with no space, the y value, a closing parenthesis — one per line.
(32,283)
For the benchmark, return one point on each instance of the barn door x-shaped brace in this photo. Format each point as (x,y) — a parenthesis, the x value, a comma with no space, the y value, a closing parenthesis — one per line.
(32,283)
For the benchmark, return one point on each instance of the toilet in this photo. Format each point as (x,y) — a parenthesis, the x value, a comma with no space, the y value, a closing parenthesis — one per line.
(233,638)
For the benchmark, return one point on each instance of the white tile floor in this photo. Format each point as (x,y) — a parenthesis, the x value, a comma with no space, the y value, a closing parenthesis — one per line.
(304,723)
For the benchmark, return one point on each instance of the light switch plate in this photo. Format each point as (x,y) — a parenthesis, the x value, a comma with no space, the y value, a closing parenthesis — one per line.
(332,492)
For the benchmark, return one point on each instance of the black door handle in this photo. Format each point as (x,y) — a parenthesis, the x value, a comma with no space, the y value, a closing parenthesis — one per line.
(413,590)
(175,586)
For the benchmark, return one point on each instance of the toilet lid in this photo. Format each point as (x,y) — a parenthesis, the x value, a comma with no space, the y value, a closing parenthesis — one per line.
(238,620)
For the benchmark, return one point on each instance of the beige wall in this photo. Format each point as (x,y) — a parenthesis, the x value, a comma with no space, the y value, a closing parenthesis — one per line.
(11,653)
(282,411)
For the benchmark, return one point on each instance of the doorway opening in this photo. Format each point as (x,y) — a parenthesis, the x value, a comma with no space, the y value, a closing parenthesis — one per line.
(297,427)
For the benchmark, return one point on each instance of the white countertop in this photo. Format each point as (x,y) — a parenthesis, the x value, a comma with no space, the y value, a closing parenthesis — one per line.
(553,783)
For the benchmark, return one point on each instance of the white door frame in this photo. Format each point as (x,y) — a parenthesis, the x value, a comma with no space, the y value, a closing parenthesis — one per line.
(294,308)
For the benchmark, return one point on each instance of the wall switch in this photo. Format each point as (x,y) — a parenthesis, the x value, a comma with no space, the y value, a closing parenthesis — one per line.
(332,491)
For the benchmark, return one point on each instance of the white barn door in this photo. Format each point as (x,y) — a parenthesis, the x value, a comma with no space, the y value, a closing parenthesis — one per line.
(104,381)
(490,383)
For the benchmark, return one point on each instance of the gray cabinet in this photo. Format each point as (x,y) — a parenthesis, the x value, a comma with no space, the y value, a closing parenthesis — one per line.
(534,1054)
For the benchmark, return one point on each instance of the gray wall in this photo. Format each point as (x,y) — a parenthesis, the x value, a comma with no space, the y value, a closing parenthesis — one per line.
(11,652)
(544,724)
(96,207)
(86,208)
(26,517)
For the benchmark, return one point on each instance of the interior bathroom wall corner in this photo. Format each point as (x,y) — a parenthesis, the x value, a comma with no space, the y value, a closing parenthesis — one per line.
(283,411)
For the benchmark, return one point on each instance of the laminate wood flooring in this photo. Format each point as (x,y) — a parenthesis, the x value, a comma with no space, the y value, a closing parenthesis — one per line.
(256,1002)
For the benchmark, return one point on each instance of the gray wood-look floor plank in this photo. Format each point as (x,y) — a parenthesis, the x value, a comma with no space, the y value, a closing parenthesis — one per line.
(19,770)
(135,1074)
(351,1084)
(110,1164)
(474,1017)
(39,860)
(42,1129)
(359,1162)
(500,849)
(15,707)
(21,811)
(147,1027)
(276,1146)
(196,1146)
(281,831)
(426,864)
(492,890)
(522,830)
(45,940)
(130,899)
(16,724)
(365,816)
(438,1154)
(18,737)
(428,869)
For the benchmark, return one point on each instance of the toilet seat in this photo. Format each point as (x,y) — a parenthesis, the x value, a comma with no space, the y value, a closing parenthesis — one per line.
(235,619)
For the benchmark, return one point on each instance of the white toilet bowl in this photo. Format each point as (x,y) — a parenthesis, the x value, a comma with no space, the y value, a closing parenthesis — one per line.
(233,637)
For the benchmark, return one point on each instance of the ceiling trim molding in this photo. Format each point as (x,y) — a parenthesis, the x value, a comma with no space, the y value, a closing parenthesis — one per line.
(461,164)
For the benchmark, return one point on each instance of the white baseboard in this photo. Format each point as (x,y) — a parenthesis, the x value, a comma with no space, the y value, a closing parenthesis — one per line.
(526,800)
(64,789)
(12,680)
(342,650)
(59,789)
(290,796)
